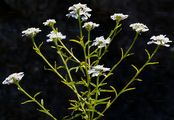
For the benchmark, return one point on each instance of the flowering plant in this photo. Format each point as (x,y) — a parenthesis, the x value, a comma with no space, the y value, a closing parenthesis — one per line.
(91,87)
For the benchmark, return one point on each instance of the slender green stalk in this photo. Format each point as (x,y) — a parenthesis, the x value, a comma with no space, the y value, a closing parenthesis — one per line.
(133,43)
(88,47)
(89,66)
(46,111)
(80,27)
(122,58)
(131,81)
(96,97)
(43,57)
(75,58)
(112,34)
(69,74)
(87,75)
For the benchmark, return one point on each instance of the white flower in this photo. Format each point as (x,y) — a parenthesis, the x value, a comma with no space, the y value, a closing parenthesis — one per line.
(31,32)
(97,70)
(101,42)
(55,35)
(79,10)
(49,22)
(160,40)
(139,27)
(90,25)
(15,77)
(118,17)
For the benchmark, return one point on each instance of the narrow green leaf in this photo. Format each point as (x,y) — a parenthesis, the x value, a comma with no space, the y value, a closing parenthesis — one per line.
(76,41)
(152,63)
(87,43)
(42,102)
(53,47)
(84,93)
(93,56)
(74,101)
(74,68)
(98,91)
(102,84)
(43,111)
(98,112)
(108,104)
(138,79)
(129,89)
(38,93)
(94,85)
(100,101)
(82,82)
(77,68)
(135,67)
(28,101)
(122,52)
(104,90)
(130,54)
(148,54)
(68,58)
(116,93)
(40,45)
(60,67)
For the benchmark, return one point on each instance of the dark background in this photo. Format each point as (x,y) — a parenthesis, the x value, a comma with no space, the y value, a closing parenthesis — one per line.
(152,100)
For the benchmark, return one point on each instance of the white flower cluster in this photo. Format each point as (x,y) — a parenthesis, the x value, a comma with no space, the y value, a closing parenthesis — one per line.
(79,10)
(55,35)
(118,17)
(31,32)
(100,42)
(97,70)
(90,25)
(139,27)
(15,77)
(160,40)
(49,22)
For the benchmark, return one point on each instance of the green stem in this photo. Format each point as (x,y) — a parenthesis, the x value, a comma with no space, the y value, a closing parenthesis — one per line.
(88,47)
(69,51)
(112,34)
(75,58)
(87,75)
(43,57)
(88,67)
(80,27)
(135,38)
(34,100)
(69,74)
(66,66)
(132,80)
(122,58)
(96,97)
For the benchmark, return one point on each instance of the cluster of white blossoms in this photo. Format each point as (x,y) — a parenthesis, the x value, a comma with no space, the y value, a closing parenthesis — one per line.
(49,22)
(13,78)
(90,25)
(139,27)
(160,40)
(118,17)
(100,42)
(55,35)
(97,70)
(79,10)
(31,32)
